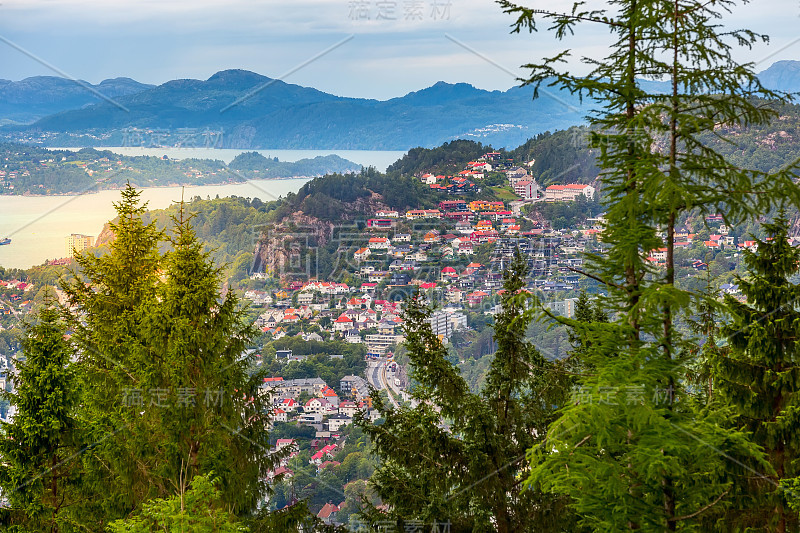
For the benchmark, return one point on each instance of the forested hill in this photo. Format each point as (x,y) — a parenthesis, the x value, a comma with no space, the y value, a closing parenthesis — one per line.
(254,165)
(565,156)
(561,157)
(338,197)
(35,170)
(445,159)
(766,148)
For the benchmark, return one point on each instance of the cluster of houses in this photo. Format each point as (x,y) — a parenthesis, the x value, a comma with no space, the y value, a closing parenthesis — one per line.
(520,181)
(473,223)
(324,410)
(723,240)
(524,186)
(18,301)
(365,313)
(358,317)
(463,181)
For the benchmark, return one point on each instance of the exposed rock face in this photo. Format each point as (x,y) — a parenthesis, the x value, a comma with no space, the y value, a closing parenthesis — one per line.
(106,236)
(288,249)
(369,205)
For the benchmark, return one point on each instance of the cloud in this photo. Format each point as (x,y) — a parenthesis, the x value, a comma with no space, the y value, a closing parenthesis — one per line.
(158,40)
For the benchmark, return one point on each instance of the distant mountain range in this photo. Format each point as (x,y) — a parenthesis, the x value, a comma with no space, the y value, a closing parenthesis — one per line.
(33,98)
(242,109)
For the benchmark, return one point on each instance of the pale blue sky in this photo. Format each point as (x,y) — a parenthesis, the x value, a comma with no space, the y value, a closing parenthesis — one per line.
(406,49)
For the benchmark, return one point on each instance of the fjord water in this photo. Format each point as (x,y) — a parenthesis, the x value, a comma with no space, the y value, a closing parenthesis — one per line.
(39,225)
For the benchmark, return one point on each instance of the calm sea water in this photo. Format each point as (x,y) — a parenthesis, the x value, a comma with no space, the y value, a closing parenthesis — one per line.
(38,225)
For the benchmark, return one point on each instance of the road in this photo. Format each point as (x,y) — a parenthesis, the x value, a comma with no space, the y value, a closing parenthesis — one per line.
(376,377)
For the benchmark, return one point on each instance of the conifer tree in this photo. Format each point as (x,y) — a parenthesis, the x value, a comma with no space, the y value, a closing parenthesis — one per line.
(197,509)
(166,392)
(40,447)
(634,450)
(109,293)
(213,417)
(759,376)
(587,312)
(456,457)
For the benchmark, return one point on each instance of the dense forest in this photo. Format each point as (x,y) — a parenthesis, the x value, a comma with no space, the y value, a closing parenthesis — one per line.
(445,159)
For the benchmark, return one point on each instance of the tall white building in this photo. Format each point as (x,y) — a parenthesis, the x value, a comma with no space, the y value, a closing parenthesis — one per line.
(444,324)
(527,189)
(78,243)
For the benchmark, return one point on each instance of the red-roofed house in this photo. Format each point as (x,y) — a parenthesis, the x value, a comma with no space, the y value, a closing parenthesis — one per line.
(361,254)
(282,443)
(289,405)
(318,405)
(475,298)
(343,323)
(282,472)
(328,513)
(449,273)
(379,243)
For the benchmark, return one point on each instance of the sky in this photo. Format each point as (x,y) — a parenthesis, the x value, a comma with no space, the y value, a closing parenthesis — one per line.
(360,48)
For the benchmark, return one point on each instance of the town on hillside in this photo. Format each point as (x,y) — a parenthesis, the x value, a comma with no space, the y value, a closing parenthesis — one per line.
(331,341)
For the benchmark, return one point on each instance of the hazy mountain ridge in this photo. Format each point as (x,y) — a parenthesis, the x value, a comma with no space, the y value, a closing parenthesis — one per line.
(252,111)
(33,98)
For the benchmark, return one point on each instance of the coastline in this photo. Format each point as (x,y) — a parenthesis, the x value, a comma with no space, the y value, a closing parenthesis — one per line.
(39,224)
(170,186)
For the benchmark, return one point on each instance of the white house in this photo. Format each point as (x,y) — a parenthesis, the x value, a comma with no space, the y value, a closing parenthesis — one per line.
(379,243)
(343,323)
(527,189)
(361,254)
(348,408)
(318,405)
(337,421)
(288,405)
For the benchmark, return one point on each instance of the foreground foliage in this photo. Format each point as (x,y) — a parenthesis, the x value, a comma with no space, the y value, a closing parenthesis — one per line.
(456,456)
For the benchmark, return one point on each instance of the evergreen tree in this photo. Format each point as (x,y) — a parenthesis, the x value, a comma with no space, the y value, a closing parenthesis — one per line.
(456,456)
(635,450)
(40,447)
(759,376)
(167,394)
(587,312)
(110,293)
(213,417)
(197,509)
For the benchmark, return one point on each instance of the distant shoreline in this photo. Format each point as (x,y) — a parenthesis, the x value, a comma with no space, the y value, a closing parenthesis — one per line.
(173,186)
